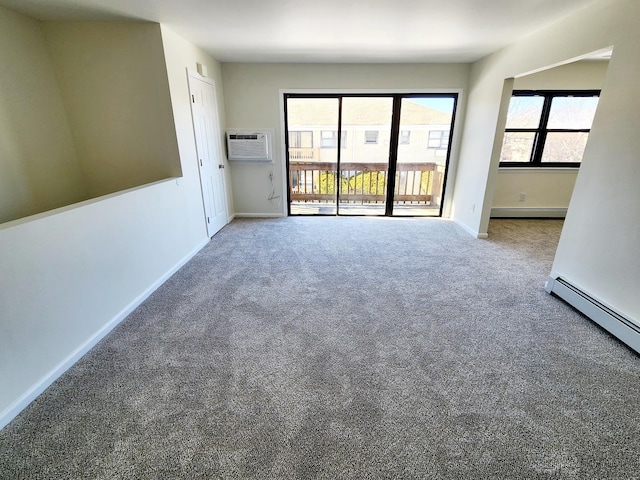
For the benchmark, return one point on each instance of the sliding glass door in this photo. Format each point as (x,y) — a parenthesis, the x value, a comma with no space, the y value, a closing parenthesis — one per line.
(364,163)
(312,147)
(426,123)
(368,154)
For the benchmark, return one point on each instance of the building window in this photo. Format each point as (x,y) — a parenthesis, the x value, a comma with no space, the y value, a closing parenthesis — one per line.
(371,136)
(404,137)
(438,139)
(548,128)
(329,139)
(300,139)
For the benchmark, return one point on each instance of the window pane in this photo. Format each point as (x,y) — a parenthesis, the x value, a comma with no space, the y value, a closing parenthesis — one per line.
(434,139)
(300,139)
(312,181)
(364,165)
(306,139)
(294,140)
(564,147)
(371,136)
(572,112)
(419,180)
(517,146)
(524,112)
(438,139)
(329,139)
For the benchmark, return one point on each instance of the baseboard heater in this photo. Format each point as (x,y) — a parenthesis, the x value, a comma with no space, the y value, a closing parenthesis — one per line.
(501,212)
(618,325)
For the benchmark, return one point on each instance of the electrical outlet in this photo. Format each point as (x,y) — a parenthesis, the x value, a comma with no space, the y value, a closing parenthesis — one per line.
(523,197)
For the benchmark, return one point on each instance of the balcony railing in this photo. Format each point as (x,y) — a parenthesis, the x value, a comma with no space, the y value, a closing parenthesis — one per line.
(304,154)
(365,183)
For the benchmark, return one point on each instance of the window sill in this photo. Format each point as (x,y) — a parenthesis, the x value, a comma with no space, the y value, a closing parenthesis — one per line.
(539,169)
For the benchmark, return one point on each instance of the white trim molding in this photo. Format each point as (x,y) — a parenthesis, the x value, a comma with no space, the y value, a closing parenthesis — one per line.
(259,215)
(9,413)
(507,212)
(471,231)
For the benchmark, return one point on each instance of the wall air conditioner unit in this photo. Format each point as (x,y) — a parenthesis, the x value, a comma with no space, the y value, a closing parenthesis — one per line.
(249,146)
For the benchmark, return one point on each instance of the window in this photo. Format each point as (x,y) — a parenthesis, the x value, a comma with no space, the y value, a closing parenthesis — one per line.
(300,139)
(329,139)
(548,128)
(370,136)
(404,137)
(438,139)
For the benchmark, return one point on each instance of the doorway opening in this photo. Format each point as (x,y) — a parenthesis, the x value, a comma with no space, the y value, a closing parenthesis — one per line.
(548,118)
(368,154)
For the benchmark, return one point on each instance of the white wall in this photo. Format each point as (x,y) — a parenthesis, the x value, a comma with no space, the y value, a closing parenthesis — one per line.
(38,165)
(68,276)
(599,243)
(598,249)
(252,98)
(181,56)
(492,80)
(547,190)
(546,193)
(114,85)
(583,75)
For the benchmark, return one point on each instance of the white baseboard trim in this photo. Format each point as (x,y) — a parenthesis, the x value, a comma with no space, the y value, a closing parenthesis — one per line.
(40,386)
(621,326)
(507,212)
(259,215)
(470,230)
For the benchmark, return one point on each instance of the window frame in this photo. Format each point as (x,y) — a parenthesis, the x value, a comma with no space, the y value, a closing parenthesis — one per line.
(442,139)
(334,139)
(371,137)
(541,132)
(299,139)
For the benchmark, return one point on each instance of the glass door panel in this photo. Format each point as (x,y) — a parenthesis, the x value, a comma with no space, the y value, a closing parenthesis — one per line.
(423,153)
(364,159)
(312,131)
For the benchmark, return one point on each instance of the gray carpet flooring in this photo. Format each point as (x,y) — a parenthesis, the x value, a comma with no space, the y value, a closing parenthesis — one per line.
(345,348)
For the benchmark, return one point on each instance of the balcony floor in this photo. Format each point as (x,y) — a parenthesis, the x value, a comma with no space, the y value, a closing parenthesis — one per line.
(309,208)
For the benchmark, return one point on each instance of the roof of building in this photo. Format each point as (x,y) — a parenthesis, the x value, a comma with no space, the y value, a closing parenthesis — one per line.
(360,111)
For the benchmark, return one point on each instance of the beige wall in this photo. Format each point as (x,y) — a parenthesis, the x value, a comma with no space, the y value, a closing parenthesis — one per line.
(252,95)
(547,191)
(114,84)
(38,165)
(84,111)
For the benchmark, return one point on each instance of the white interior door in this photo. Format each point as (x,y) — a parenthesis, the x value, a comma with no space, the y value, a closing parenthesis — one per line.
(210,163)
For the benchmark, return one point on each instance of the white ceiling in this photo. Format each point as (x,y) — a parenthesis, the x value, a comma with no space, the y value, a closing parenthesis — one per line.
(375,31)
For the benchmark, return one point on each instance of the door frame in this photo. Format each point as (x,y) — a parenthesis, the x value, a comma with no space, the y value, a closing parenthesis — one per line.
(454,140)
(219,149)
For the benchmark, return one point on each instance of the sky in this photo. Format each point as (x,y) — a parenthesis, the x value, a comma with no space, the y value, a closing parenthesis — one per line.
(442,104)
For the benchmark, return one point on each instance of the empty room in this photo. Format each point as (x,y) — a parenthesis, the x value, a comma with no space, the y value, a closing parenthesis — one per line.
(319,239)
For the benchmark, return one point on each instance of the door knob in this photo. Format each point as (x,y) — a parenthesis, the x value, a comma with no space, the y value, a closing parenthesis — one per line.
(221,166)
